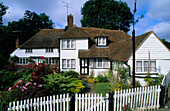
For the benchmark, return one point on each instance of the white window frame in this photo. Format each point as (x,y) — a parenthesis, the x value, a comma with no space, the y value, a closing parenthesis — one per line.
(143,66)
(102,41)
(28,50)
(100,63)
(22,61)
(68,63)
(68,44)
(49,50)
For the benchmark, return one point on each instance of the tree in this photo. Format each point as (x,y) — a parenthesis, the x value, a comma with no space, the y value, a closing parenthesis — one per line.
(166,43)
(3,9)
(107,14)
(23,29)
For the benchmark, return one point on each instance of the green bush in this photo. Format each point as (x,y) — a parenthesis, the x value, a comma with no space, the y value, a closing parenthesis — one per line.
(8,78)
(92,80)
(102,78)
(59,84)
(71,73)
(86,88)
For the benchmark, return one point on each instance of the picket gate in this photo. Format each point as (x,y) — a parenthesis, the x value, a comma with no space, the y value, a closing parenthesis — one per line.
(142,98)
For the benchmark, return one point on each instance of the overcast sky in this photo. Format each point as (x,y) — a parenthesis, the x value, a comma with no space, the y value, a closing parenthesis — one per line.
(156,13)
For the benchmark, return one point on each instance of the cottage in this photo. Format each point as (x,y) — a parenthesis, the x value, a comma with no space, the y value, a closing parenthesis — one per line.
(89,49)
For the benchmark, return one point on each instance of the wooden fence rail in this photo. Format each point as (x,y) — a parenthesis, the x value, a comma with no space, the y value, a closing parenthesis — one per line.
(143,98)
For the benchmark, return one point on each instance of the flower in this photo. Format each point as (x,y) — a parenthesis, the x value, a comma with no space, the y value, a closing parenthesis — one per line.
(40,85)
(42,57)
(34,64)
(30,65)
(10,89)
(27,83)
(24,69)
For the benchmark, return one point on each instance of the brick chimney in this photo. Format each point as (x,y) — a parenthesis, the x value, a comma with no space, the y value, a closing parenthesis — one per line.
(17,43)
(69,21)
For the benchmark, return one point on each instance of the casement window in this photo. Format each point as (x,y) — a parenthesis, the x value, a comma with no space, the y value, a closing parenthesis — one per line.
(68,44)
(22,61)
(101,41)
(100,63)
(68,63)
(142,66)
(28,50)
(48,50)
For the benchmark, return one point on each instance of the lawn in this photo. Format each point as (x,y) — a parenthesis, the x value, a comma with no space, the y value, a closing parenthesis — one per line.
(103,88)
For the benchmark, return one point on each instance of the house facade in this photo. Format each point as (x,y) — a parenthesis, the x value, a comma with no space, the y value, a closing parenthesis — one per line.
(89,50)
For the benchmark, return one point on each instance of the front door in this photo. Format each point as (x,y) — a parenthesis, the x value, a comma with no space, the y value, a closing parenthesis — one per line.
(84,66)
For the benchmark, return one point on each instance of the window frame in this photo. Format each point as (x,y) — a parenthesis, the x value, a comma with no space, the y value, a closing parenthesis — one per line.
(22,61)
(49,50)
(69,63)
(28,50)
(97,64)
(102,41)
(146,66)
(69,44)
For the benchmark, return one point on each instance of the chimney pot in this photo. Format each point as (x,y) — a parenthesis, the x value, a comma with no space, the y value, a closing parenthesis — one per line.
(17,43)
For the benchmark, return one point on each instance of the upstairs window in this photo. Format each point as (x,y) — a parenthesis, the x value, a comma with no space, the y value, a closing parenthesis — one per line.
(48,50)
(101,41)
(28,50)
(68,44)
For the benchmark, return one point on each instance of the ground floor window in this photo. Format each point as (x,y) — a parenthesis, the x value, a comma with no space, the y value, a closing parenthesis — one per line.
(144,66)
(100,63)
(22,61)
(68,63)
(51,61)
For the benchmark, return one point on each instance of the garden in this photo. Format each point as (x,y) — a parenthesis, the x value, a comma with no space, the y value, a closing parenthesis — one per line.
(37,80)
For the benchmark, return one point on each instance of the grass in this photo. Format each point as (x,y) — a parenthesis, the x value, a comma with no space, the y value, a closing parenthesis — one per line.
(103,88)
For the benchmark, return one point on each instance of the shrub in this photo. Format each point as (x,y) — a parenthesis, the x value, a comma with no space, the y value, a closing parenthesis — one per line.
(58,84)
(86,88)
(92,80)
(102,78)
(71,73)
(8,78)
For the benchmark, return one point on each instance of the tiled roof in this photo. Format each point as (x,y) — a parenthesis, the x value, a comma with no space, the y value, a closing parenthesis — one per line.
(45,38)
(120,50)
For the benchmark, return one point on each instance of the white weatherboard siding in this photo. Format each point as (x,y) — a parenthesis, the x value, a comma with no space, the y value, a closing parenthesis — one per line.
(158,53)
(36,53)
(80,44)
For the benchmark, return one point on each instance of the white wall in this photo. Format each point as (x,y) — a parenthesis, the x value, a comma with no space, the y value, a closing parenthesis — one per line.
(158,53)
(81,44)
(35,53)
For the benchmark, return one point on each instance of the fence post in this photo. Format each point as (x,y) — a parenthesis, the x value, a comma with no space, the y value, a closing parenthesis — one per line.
(162,97)
(72,102)
(110,101)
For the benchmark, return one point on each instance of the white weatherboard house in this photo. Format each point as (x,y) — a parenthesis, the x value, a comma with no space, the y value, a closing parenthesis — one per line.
(88,49)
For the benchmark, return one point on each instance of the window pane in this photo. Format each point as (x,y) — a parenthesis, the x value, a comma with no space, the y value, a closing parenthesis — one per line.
(139,66)
(94,63)
(145,66)
(73,63)
(73,44)
(153,66)
(68,63)
(100,41)
(104,41)
(99,62)
(64,44)
(105,63)
(68,43)
(64,63)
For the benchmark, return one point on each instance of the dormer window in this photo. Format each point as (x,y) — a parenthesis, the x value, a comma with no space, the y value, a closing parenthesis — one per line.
(101,41)
(28,50)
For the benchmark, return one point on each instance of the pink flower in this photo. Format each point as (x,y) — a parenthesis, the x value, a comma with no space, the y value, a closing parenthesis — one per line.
(10,89)
(33,74)
(35,84)
(40,85)
(30,65)
(27,66)
(34,64)
(27,83)
(24,87)
(24,69)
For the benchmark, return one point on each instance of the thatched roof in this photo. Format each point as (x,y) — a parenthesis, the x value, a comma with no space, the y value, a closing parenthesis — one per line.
(45,38)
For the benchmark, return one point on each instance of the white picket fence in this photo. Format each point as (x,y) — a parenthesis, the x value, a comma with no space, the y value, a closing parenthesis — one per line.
(143,98)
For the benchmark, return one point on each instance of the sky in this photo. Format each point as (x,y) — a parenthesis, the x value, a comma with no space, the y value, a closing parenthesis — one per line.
(156,13)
